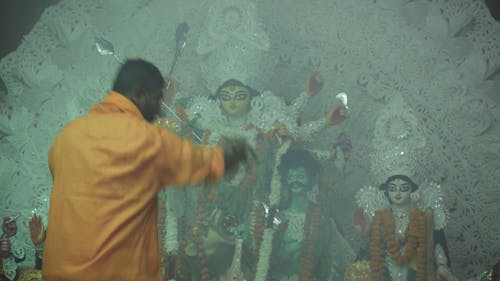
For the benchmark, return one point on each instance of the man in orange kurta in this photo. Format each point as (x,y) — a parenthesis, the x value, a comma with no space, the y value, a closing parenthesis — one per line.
(107,168)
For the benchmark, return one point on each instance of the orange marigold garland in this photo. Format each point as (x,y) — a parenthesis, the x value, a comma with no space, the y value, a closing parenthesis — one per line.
(421,252)
(383,238)
(258,232)
(377,260)
(196,235)
(311,227)
(199,238)
(162,229)
(258,229)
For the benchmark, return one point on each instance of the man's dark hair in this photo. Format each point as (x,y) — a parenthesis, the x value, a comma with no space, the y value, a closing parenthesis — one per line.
(138,76)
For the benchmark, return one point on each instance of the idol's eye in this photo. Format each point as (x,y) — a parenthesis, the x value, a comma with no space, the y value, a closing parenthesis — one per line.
(225,97)
(242,96)
(404,188)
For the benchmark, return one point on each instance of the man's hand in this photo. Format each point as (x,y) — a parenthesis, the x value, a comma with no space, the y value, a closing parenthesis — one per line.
(4,247)
(236,151)
(37,230)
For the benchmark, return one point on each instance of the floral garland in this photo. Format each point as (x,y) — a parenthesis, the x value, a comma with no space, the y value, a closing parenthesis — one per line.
(383,238)
(199,238)
(162,227)
(256,228)
(171,245)
(267,238)
(311,226)
(197,235)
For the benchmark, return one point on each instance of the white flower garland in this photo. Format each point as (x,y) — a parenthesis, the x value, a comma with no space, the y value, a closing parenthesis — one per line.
(274,199)
(172,243)
(264,255)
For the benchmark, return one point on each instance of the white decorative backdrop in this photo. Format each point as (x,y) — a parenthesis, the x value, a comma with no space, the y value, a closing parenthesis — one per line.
(438,59)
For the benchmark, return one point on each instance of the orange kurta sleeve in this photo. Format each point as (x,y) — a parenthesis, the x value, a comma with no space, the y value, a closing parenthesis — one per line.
(182,162)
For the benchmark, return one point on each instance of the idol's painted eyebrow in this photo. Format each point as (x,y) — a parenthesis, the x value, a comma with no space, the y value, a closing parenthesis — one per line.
(236,93)
(403,185)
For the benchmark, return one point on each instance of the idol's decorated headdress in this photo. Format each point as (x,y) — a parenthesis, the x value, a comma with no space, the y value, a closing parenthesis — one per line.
(235,46)
(400,148)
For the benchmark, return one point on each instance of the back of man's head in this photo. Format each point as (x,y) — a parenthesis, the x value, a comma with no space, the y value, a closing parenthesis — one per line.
(138,77)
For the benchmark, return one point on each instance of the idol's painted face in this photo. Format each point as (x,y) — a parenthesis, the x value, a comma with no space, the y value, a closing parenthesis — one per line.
(399,192)
(235,100)
(297,179)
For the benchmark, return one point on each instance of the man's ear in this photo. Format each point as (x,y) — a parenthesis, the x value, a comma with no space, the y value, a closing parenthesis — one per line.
(140,99)
(140,93)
